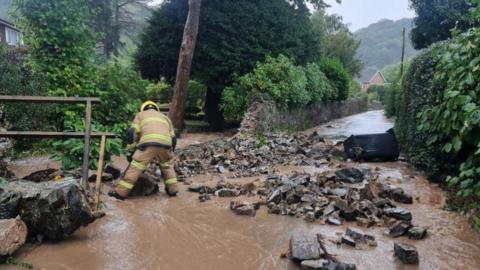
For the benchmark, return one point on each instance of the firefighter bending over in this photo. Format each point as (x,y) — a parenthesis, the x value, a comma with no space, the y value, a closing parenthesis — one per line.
(151,136)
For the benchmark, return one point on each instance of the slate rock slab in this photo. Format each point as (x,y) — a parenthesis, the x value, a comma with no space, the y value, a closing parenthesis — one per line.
(408,254)
(305,247)
(350,175)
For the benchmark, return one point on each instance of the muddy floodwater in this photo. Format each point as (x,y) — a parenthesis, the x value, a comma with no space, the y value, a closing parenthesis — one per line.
(181,233)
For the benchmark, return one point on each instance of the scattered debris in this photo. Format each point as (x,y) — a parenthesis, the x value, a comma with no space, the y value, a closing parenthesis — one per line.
(406,253)
(113,170)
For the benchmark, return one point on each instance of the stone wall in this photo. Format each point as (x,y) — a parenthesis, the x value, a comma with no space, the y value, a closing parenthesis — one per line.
(264,117)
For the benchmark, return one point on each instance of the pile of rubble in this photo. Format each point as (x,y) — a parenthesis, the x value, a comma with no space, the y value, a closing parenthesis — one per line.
(250,156)
(347,194)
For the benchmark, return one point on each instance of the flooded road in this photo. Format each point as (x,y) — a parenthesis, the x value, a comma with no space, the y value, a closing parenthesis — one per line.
(181,233)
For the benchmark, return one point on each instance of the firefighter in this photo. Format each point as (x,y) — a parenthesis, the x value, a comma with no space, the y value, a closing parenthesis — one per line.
(150,136)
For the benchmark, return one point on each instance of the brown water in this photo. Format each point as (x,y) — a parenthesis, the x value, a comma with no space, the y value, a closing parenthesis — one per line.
(182,233)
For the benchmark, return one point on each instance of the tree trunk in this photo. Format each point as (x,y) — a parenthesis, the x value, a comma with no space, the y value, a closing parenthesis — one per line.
(177,108)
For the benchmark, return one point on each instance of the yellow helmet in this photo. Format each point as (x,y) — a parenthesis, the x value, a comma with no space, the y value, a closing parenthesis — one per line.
(149,105)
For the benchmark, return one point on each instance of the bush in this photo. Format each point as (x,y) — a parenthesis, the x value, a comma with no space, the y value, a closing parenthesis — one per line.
(277,77)
(379,92)
(16,78)
(318,84)
(420,91)
(162,92)
(122,91)
(454,121)
(338,76)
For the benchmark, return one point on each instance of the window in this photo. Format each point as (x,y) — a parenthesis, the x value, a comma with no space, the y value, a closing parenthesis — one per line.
(12,36)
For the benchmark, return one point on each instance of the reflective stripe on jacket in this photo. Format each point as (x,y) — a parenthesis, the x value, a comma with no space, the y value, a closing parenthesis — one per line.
(153,127)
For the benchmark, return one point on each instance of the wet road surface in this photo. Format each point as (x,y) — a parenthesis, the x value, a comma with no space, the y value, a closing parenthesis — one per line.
(181,233)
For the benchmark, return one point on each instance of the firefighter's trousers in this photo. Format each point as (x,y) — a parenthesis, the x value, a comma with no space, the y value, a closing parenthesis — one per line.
(139,163)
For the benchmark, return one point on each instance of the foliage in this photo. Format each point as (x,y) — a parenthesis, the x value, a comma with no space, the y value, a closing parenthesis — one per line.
(436,19)
(420,91)
(16,78)
(61,43)
(231,40)
(160,92)
(392,98)
(381,45)
(336,40)
(338,76)
(455,120)
(318,84)
(277,77)
(379,92)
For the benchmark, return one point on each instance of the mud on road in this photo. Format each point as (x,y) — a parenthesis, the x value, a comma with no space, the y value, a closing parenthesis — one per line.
(182,233)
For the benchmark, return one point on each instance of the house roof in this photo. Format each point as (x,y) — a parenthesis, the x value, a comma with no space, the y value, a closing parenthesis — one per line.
(374,75)
(9,24)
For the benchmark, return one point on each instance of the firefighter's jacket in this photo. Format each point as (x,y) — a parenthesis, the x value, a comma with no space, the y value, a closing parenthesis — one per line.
(152,128)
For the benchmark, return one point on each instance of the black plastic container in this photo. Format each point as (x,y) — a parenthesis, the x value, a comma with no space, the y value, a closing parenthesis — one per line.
(369,147)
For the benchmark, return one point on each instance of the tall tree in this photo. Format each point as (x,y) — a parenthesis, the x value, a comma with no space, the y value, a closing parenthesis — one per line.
(436,18)
(233,36)
(177,109)
(336,40)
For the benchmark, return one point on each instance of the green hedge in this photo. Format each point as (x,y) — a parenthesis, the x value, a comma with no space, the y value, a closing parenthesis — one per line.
(290,86)
(419,91)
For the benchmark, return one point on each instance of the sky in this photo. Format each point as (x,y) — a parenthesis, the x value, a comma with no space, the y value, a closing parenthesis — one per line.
(362,13)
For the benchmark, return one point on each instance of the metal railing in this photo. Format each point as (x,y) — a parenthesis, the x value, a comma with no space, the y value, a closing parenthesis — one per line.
(87,134)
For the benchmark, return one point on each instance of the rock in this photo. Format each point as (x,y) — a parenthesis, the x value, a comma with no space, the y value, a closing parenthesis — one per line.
(275,196)
(113,170)
(305,247)
(355,234)
(244,208)
(406,253)
(334,221)
(348,241)
(145,186)
(399,228)
(350,175)
(53,209)
(201,188)
(221,169)
(13,234)
(313,264)
(417,233)
(225,192)
(344,266)
(398,213)
(399,195)
(9,203)
(371,191)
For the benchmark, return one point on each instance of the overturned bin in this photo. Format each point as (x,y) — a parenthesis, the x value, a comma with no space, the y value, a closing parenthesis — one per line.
(369,147)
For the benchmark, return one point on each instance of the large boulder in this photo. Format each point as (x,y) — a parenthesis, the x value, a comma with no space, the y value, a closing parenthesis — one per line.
(51,209)
(9,203)
(13,234)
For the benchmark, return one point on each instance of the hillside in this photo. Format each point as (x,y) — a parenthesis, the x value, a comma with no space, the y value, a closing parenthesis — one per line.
(4,9)
(381,45)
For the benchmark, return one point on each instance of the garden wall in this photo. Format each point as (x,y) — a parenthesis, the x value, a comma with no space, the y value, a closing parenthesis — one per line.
(264,117)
